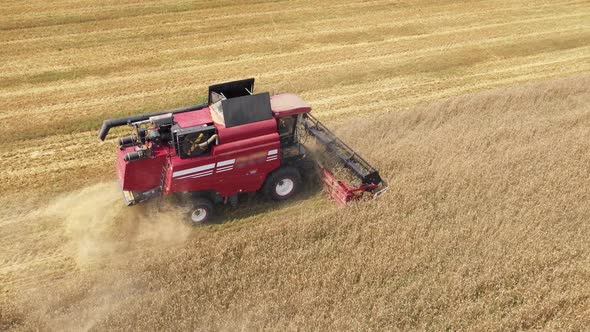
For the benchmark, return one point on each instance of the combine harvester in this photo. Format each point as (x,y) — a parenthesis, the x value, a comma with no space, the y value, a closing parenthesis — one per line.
(239,142)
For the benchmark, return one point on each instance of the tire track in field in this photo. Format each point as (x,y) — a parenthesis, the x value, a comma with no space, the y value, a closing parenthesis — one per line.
(19,67)
(16,66)
(239,13)
(413,97)
(479,79)
(270,74)
(212,67)
(451,14)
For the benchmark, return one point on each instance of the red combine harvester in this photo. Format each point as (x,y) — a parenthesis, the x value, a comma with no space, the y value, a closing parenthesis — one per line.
(238,142)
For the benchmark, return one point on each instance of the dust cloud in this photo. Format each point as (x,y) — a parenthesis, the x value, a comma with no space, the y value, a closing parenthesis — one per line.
(99,225)
(104,239)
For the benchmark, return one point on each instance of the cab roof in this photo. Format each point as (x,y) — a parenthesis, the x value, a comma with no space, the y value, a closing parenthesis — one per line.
(288,104)
(242,110)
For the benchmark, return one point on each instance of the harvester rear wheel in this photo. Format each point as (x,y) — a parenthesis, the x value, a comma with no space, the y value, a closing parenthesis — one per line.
(201,212)
(282,184)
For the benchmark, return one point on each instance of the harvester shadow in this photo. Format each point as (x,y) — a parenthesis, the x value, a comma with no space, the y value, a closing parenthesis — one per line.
(256,204)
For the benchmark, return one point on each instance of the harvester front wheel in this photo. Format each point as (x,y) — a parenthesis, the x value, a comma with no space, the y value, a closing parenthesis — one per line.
(201,212)
(283,184)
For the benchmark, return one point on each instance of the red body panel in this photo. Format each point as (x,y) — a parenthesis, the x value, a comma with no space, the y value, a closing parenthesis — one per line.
(140,175)
(241,161)
(245,132)
(194,118)
(227,170)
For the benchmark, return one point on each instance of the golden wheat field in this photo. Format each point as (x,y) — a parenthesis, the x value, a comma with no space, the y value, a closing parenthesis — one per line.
(477,113)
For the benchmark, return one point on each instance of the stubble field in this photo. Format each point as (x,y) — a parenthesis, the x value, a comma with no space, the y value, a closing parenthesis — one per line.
(485,225)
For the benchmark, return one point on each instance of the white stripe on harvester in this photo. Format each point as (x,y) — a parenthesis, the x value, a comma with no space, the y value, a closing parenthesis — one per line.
(194,176)
(227,162)
(193,170)
(222,166)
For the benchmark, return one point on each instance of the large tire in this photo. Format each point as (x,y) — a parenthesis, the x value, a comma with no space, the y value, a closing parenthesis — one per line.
(282,184)
(201,211)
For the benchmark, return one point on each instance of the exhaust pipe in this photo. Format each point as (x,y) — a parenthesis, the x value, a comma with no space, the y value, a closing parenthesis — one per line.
(111,123)
(136,155)
(127,141)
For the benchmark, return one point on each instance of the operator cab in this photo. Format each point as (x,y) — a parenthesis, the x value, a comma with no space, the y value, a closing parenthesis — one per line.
(234,114)
(286,109)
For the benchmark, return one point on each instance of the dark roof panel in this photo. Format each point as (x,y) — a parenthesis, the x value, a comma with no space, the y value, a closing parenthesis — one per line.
(246,109)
